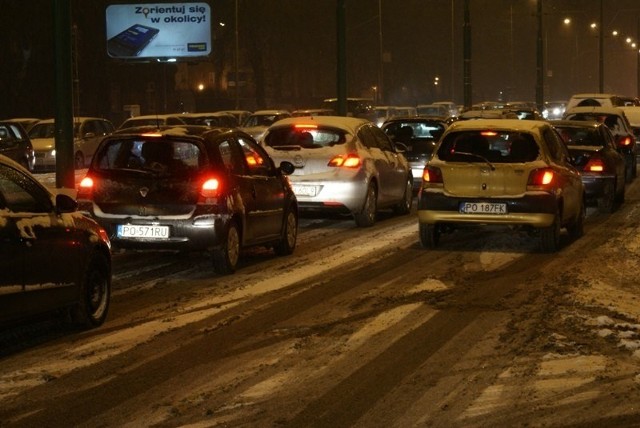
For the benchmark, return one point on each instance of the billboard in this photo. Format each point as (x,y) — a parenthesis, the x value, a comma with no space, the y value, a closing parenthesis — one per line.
(158,30)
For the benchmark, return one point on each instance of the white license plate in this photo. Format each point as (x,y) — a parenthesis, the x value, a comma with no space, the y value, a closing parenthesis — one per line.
(142,231)
(304,190)
(483,208)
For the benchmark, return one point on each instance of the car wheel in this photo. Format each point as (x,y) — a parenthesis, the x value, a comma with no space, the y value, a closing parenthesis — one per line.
(289,235)
(550,236)
(91,310)
(429,235)
(225,258)
(367,217)
(620,194)
(606,202)
(629,170)
(404,207)
(78,160)
(576,228)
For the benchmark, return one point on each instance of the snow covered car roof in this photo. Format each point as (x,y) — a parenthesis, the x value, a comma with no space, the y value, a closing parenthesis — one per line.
(512,124)
(348,124)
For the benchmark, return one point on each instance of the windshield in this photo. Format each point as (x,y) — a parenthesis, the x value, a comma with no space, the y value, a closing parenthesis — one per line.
(580,136)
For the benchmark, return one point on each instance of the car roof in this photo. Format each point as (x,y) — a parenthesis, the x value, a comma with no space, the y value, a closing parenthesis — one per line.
(75,119)
(156,116)
(275,111)
(347,123)
(595,109)
(165,130)
(522,125)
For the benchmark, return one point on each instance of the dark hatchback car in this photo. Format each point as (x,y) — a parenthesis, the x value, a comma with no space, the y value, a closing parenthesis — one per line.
(419,135)
(593,151)
(51,256)
(15,144)
(191,188)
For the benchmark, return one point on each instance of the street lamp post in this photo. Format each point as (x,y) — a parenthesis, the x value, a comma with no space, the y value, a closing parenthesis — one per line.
(236,57)
(601,50)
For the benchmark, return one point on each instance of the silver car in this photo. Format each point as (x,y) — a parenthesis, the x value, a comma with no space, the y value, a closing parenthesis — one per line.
(343,164)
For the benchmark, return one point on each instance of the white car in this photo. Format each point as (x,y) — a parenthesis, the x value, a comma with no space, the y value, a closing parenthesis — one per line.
(153,120)
(88,132)
(258,122)
(343,165)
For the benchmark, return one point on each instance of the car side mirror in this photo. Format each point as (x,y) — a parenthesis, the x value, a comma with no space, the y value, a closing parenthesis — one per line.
(65,204)
(287,168)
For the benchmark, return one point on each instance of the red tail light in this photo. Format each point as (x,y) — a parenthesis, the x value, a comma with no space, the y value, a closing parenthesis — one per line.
(594,165)
(348,161)
(432,175)
(211,188)
(85,188)
(625,142)
(541,179)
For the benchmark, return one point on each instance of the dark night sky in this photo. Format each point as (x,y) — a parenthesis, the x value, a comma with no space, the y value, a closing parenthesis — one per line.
(416,37)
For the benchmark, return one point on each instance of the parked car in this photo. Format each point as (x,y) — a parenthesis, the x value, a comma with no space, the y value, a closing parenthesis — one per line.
(52,257)
(157,120)
(213,119)
(593,151)
(16,144)
(88,132)
(256,124)
(509,172)
(439,110)
(26,122)
(356,107)
(216,190)
(342,164)
(617,122)
(240,115)
(420,136)
(384,113)
(595,100)
(313,112)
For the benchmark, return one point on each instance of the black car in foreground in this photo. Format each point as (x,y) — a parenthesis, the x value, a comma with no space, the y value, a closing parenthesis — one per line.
(16,144)
(51,256)
(594,152)
(191,188)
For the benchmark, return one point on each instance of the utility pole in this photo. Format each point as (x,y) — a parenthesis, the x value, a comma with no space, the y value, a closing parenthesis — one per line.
(540,60)
(467,56)
(601,50)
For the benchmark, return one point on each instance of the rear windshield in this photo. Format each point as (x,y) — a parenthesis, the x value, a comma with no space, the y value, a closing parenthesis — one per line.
(304,138)
(172,157)
(488,146)
(580,136)
(419,137)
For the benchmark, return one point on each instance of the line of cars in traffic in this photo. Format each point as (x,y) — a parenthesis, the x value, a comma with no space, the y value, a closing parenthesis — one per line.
(218,189)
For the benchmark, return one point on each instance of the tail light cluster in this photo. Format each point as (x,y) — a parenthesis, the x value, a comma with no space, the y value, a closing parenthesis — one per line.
(85,188)
(211,187)
(542,179)
(625,142)
(346,161)
(432,177)
(594,165)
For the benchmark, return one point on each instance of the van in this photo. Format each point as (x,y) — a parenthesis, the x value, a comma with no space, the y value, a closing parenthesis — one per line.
(594,100)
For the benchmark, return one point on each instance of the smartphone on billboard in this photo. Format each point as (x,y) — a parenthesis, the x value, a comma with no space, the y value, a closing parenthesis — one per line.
(130,42)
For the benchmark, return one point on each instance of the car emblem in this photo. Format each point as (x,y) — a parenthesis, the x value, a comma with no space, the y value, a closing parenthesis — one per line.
(298,161)
(144,191)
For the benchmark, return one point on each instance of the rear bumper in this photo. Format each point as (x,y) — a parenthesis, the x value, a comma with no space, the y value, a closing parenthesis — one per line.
(536,210)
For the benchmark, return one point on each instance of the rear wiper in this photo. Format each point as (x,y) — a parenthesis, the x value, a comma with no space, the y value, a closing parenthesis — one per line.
(477,156)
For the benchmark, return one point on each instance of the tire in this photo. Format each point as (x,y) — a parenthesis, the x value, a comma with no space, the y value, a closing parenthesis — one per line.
(226,257)
(404,207)
(92,309)
(550,236)
(629,170)
(606,203)
(367,217)
(289,235)
(429,235)
(620,194)
(576,228)
(78,160)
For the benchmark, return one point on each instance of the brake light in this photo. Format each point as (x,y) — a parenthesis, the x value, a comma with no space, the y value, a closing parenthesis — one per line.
(211,188)
(432,175)
(85,188)
(489,133)
(305,126)
(348,161)
(594,165)
(541,178)
(152,134)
